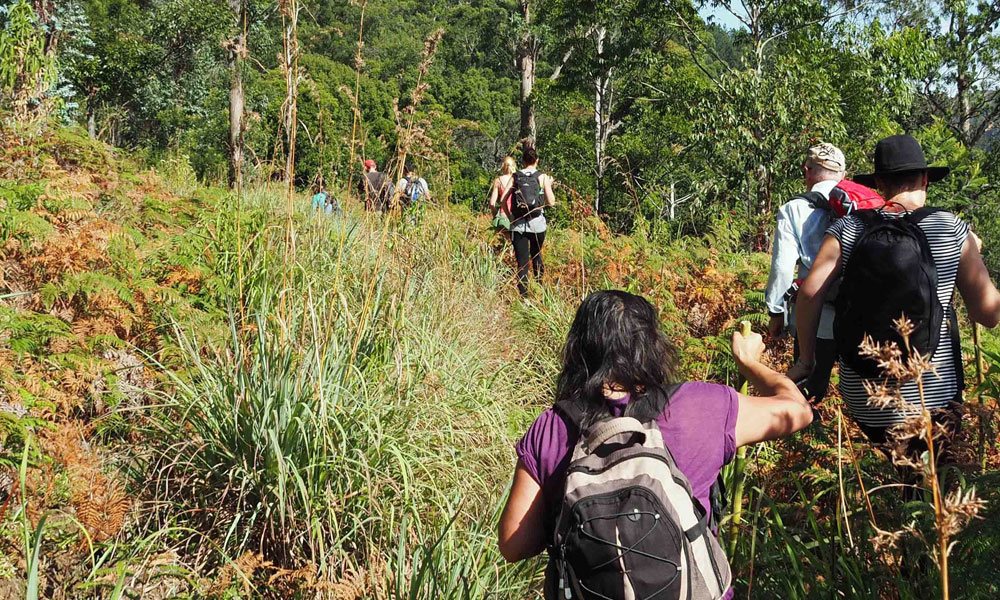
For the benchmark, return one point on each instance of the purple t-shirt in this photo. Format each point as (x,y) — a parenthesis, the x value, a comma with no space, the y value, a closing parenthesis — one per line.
(698,425)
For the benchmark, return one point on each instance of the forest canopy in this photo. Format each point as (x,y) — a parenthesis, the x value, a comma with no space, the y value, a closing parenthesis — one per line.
(650,112)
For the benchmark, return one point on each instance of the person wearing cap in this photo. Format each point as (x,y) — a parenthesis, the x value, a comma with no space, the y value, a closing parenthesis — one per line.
(797,238)
(375,189)
(902,174)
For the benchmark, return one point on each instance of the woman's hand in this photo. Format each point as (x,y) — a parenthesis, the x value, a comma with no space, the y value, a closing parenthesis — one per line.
(779,410)
(747,348)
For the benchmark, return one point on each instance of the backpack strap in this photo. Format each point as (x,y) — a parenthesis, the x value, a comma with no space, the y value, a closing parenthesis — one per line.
(951,315)
(916,216)
(815,199)
(699,529)
(572,411)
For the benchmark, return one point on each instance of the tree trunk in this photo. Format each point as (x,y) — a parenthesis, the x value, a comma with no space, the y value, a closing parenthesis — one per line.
(602,111)
(673,201)
(290,14)
(963,82)
(91,118)
(237,99)
(526,54)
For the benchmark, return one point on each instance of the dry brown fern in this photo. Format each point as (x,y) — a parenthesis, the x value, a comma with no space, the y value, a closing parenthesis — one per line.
(101,507)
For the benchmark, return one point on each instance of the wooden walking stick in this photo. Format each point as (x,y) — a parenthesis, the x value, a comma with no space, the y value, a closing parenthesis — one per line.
(980,378)
(739,471)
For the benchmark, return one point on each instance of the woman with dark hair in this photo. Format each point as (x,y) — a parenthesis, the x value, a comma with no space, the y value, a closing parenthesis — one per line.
(617,362)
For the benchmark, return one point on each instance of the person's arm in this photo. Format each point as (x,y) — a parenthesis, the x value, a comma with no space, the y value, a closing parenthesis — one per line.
(494,193)
(427,190)
(521,533)
(784,257)
(809,304)
(980,295)
(780,410)
(550,196)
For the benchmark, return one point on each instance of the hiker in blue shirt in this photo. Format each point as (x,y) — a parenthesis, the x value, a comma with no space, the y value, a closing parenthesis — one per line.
(319,199)
(799,232)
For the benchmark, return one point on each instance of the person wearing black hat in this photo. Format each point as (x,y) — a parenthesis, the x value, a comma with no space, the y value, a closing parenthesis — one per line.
(944,255)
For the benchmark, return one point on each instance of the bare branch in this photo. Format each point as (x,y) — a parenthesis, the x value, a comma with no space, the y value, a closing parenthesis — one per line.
(823,19)
(565,59)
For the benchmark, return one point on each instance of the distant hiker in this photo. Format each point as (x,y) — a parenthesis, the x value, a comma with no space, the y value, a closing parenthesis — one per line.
(375,189)
(501,197)
(532,193)
(319,199)
(581,489)
(797,237)
(412,187)
(904,259)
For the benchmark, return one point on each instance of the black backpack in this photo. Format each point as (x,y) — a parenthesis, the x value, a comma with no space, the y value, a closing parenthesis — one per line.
(527,201)
(890,272)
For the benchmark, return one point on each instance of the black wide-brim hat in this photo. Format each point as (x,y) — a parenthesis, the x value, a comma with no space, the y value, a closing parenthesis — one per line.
(900,154)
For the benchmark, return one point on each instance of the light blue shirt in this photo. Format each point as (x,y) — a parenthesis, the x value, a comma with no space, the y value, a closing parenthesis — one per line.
(797,239)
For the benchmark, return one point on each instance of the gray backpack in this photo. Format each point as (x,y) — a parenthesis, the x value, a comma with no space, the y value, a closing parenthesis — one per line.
(629,527)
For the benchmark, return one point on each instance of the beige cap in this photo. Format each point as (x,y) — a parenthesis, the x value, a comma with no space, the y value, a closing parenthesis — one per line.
(827,156)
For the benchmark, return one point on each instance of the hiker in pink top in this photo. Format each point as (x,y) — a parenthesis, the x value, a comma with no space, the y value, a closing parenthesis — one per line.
(617,361)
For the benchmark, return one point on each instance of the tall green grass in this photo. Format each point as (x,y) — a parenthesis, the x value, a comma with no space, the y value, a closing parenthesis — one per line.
(354,420)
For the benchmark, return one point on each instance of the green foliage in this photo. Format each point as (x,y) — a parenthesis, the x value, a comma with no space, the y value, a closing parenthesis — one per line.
(25,66)
(31,332)
(16,218)
(85,287)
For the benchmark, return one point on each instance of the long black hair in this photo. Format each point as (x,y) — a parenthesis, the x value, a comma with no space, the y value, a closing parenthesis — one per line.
(616,339)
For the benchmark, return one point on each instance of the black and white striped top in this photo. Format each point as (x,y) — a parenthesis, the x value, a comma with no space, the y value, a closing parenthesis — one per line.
(946,235)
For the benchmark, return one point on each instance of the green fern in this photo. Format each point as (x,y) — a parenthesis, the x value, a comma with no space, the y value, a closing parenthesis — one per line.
(85,286)
(30,333)
(20,196)
(24,225)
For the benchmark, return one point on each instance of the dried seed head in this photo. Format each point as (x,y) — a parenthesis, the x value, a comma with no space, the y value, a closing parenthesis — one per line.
(901,459)
(960,507)
(905,328)
(886,540)
(430,49)
(918,364)
(888,356)
(884,396)
(912,428)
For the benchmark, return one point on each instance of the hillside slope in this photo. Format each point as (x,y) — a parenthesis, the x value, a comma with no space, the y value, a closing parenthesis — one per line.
(204,396)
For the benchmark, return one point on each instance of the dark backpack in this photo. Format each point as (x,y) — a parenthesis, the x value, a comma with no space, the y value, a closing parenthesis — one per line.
(845,198)
(890,272)
(629,526)
(527,201)
(379,189)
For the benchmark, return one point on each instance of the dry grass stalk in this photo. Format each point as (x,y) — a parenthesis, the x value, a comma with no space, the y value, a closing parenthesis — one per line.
(412,133)
(359,64)
(951,514)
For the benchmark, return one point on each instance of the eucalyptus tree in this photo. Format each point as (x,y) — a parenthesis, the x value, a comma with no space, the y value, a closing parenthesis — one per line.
(237,51)
(528,46)
(606,47)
